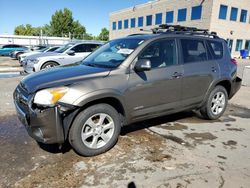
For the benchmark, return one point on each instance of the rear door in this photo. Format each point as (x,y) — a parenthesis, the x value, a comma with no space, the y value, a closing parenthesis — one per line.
(199,70)
(158,90)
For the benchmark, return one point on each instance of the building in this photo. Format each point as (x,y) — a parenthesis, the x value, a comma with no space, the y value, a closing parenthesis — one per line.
(32,40)
(230,19)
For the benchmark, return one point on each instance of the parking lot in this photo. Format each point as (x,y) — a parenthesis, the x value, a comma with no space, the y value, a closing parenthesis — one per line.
(179,150)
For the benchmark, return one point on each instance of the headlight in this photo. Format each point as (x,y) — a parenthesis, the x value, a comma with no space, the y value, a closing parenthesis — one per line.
(50,97)
(33,60)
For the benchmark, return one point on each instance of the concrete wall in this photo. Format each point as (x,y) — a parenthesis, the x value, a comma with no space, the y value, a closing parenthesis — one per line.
(210,18)
(32,40)
(160,6)
(231,29)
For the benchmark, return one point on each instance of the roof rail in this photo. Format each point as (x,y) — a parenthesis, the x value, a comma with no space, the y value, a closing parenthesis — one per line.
(178,29)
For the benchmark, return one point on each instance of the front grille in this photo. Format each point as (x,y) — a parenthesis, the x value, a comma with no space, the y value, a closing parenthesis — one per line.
(22,99)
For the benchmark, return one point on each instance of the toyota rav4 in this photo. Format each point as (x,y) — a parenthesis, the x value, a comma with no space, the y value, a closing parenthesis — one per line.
(128,80)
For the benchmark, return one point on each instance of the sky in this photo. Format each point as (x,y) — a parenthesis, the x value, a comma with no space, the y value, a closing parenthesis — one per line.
(93,14)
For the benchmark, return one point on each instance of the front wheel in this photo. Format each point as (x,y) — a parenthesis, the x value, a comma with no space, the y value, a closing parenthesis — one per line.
(216,104)
(95,130)
(48,65)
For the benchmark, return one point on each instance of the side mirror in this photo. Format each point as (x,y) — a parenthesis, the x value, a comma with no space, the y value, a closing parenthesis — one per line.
(143,65)
(71,52)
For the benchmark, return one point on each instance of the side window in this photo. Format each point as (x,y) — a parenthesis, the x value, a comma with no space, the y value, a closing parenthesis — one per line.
(80,48)
(92,47)
(193,50)
(216,48)
(7,46)
(161,53)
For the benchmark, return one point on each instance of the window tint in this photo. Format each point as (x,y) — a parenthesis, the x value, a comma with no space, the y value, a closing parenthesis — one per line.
(223,12)
(158,19)
(7,46)
(149,20)
(193,50)
(126,24)
(182,15)
(238,45)
(114,26)
(79,48)
(132,23)
(170,17)
(120,25)
(243,16)
(140,22)
(196,13)
(161,54)
(234,12)
(92,47)
(216,49)
(52,49)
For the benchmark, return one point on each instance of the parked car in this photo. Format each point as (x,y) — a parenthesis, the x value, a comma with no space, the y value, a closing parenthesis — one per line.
(15,54)
(44,50)
(70,53)
(7,49)
(125,81)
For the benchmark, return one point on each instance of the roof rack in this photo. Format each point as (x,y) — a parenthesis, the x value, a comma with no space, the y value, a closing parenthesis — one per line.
(178,29)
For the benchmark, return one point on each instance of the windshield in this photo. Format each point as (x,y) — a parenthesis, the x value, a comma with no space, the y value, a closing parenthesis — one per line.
(43,50)
(112,54)
(63,48)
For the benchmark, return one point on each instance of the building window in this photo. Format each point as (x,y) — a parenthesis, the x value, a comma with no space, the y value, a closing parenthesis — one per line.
(234,13)
(132,23)
(120,25)
(140,22)
(158,19)
(126,24)
(247,45)
(243,15)
(223,12)
(196,13)
(149,20)
(238,45)
(182,15)
(170,17)
(114,26)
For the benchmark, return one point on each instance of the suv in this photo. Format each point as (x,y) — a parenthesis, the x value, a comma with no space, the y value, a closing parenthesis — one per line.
(67,54)
(125,81)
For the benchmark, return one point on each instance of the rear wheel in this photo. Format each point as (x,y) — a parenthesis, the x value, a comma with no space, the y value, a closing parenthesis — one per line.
(49,64)
(18,55)
(95,130)
(216,104)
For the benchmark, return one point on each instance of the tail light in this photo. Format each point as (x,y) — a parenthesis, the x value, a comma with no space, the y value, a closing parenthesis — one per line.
(234,61)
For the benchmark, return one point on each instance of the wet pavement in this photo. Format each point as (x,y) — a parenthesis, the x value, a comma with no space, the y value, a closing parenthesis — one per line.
(179,150)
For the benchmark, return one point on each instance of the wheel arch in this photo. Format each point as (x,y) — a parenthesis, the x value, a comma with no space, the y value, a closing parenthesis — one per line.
(113,100)
(53,61)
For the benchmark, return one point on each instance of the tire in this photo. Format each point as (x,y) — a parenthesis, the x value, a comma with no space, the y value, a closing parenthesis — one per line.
(17,55)
(88,129)
(49,64)
(213,108)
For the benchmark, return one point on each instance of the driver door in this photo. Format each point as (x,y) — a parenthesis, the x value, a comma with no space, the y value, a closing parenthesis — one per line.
(157,91)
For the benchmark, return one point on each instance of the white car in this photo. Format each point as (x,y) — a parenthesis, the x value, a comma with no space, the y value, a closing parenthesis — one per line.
(68,54)
(48,49)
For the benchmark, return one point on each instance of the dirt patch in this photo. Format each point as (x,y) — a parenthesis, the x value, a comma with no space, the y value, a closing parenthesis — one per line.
(236,129)
(222,157)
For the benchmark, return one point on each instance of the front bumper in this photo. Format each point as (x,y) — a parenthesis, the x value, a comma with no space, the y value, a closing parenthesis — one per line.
(235,87)
(28,67)
(43,125)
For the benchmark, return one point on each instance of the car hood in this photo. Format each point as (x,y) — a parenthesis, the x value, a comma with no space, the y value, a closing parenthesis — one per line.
(45,54)
(61,76)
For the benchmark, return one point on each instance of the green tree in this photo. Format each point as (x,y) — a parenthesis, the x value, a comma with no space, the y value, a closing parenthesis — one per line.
(25,30)
(62,23)
(104,35)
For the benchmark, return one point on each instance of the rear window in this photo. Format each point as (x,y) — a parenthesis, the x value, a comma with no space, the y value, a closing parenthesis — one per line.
(193,50)
(216,49)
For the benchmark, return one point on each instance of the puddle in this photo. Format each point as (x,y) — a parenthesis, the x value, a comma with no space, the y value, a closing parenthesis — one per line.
(9,74)
(174,126)
(230,143)
(200,136)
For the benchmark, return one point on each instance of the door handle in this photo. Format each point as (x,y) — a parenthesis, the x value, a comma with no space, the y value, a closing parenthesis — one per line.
(177,75)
